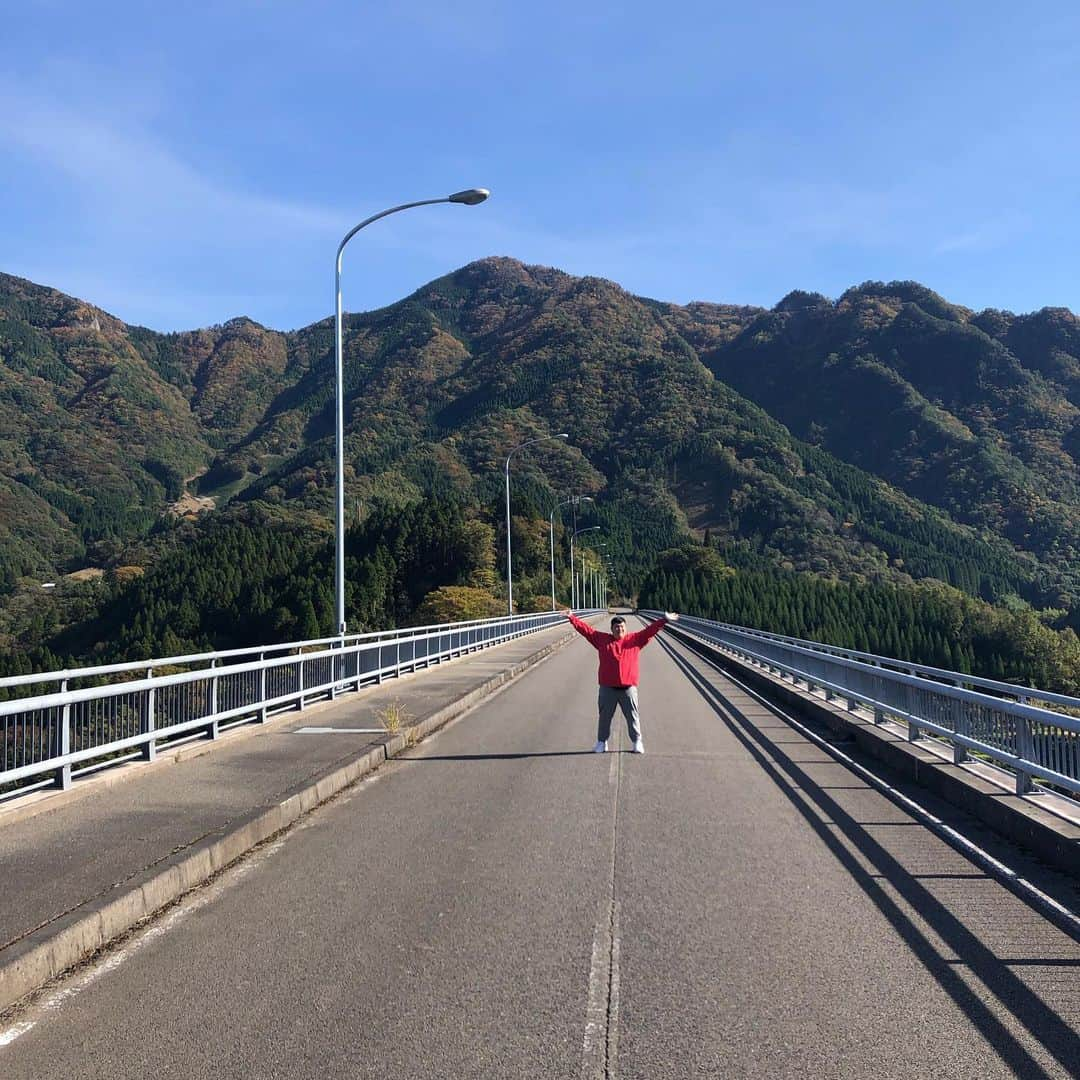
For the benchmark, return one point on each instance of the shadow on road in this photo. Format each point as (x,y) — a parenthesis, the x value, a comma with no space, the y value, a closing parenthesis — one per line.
(1056,1036)
(498,757)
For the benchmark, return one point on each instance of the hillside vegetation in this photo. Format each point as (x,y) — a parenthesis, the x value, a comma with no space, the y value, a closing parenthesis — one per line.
(881,439)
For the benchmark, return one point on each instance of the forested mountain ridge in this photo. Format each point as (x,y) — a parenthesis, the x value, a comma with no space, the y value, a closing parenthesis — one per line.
(100,422)
(978,414)
(884,436)
(93,439)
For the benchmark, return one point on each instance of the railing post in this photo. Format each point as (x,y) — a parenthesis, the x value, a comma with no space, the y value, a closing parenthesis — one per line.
(302,702)
(961,726)
(62,775)
(1025,749)
(262,689)
(212,727)
(148,750)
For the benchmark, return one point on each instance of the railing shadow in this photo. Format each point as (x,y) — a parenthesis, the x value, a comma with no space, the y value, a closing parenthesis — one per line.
(1060,1041)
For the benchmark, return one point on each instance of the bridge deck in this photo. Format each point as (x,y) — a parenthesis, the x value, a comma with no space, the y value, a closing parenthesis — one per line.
(82,845)
(500,903)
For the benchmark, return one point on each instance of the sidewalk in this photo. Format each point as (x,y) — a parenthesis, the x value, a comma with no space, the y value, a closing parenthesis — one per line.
(79,868)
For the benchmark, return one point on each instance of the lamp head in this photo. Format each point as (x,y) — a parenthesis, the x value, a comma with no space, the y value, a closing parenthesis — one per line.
(470,197)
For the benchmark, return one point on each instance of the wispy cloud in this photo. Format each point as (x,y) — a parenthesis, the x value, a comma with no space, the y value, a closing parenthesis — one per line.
(134,178)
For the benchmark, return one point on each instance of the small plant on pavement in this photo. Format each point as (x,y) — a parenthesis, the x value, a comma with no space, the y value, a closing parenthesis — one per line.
(393,716)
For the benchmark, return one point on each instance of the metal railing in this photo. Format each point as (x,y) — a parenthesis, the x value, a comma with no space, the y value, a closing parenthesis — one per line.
(969,714)
(74,720)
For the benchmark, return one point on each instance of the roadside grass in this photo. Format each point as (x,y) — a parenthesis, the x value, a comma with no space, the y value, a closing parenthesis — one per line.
(393,716)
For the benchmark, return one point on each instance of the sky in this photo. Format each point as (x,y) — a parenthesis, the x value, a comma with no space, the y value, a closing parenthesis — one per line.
(179,165)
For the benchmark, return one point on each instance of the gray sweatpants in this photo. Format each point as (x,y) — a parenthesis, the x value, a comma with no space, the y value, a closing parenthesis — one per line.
(626,698)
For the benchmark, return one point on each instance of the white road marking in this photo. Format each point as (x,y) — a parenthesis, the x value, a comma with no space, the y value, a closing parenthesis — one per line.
(81,980)
(613,996)
(13,1032)
(340,731)
(602,1010)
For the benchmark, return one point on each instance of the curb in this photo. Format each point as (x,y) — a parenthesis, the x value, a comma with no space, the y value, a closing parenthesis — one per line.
(32,961)
(1052,838)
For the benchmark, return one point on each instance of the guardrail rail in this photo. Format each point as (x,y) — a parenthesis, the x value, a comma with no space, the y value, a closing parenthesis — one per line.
(61,724)
(973,716)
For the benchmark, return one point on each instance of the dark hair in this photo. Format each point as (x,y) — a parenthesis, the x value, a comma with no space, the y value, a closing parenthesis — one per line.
(618,619)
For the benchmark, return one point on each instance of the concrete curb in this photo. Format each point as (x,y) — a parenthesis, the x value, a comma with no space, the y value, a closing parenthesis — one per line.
(29,963)
(1055,840)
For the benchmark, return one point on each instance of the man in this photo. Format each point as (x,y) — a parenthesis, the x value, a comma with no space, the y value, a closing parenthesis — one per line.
(618,675)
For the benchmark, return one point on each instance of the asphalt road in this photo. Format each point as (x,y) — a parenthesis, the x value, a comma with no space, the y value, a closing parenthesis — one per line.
(506,904)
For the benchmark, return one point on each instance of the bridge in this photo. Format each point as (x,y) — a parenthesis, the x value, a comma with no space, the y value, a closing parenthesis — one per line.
(396,855)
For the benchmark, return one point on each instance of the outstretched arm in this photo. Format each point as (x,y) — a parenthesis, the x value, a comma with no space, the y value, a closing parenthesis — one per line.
(583,628)
(642,637)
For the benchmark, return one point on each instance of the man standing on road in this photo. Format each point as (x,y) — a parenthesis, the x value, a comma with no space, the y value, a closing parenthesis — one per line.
(618,674)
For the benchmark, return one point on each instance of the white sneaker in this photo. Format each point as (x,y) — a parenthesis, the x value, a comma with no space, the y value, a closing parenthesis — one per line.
(600,748)
(639,747)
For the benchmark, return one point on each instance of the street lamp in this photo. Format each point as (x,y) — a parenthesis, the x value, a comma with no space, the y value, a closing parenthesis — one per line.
(591,528)
(509,571)
(470,197)
(594,572)
(575,499)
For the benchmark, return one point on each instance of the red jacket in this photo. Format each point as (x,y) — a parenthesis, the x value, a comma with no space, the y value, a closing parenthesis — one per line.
(618,659)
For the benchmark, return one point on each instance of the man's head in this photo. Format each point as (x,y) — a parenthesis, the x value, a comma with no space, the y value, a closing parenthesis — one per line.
(618,627)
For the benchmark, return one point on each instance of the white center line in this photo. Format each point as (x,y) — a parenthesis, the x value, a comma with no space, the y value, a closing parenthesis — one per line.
(602,1010)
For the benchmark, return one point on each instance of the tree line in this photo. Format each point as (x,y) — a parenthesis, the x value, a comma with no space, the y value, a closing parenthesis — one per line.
(927,622)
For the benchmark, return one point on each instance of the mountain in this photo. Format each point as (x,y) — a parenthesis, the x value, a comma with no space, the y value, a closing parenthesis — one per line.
(978,415)
(888,435)
(93,441)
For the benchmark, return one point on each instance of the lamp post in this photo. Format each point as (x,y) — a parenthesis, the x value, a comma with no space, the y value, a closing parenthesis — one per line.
(470,197)
(509,571)
(594,573)
(591,528)
(575,499)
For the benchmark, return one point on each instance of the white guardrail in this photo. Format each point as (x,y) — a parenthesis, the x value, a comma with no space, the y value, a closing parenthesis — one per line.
(73,721)
(974,716)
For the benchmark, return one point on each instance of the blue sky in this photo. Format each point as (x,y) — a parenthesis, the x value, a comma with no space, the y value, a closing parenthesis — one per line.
(182,164)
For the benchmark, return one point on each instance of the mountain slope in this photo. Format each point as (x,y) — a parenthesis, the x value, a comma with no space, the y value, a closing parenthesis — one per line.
(886,435)
(932,399)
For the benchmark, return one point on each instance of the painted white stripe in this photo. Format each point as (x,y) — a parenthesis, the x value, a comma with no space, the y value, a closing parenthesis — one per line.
(613,997)
(340,731)
(602,1008)
(45,1007)
(13,1032)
